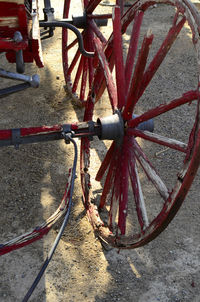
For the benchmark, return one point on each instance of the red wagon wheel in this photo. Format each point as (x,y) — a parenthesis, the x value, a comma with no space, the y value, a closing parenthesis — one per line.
(78,69)
(143,177)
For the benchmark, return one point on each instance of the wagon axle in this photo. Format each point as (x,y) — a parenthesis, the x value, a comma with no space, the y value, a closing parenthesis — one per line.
(106,128)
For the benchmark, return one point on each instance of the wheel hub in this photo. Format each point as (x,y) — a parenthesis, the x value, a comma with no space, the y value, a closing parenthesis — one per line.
(112,127)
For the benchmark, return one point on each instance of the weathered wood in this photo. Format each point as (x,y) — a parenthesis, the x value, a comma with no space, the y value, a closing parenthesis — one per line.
(150,171)
(159,139)
(152,113)
(118,55)
(138,195)
(133,47)
(135,85)
(107,73)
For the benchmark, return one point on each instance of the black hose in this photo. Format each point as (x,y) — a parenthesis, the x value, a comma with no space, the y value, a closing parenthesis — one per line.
(62,228)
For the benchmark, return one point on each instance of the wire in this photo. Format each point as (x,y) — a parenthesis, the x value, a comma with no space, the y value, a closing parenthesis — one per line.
(62,228)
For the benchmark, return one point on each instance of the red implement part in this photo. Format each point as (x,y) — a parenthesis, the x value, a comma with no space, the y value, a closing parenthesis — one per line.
(138,199)
(16,17)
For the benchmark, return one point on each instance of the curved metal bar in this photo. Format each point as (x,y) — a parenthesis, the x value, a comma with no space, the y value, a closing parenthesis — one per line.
(72,28)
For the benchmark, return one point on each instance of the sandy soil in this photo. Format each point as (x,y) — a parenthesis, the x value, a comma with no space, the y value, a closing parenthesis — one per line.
(32,183)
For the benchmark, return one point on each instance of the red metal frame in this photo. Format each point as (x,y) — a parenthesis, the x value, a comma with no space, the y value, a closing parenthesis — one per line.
(28,28)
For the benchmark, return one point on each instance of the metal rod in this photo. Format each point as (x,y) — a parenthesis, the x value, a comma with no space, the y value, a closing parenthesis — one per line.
(7,91)
(72,28)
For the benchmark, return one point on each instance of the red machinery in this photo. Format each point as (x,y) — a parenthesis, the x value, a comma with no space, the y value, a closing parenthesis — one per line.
(88,74)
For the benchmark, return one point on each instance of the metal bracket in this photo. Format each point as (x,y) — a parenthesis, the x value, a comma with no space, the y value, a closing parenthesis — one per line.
(48,11)
(16,139)
(66,131)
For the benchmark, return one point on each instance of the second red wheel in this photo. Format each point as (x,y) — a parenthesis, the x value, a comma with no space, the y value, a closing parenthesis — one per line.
(78,69)
(133,186)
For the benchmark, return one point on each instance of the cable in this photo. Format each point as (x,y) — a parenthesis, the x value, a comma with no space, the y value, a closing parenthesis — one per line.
(67,137)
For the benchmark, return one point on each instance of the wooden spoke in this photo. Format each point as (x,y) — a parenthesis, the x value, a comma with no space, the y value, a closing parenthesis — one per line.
(107,74)
(133,47)
(160,55)
(152,113)
(92,5)
(84,79)
(137,76)
(78,75)
(97,32)
(138,195)
(73,63)
(150,171)
(123,181)
(109,180)
(118,55)
(105,163)
(159,139)
(72,44)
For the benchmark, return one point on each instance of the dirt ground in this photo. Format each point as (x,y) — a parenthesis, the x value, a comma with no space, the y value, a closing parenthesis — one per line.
(32,183)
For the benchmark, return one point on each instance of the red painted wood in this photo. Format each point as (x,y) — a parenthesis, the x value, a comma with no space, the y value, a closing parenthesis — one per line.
(144,135)
(109,179)
(8,9)
(98,33)
(67,47)
(22,18)
(99,81)
(124,182)
(103,83)
(118,55)
(105,163)
(107,73)
(37,52)
(7,134)
(135,187)
(137,77)
(6,249)
(92,5)
(11,45)
(84,79)
(160,55)
(150,171)
(114,200)
(73,63)
(103,16)
(90,60)
(133,47)
(78,75)
(186,98)
(66,8)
